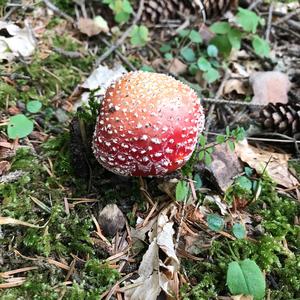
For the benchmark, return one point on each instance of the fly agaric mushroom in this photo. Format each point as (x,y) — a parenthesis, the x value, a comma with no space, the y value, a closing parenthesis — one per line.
(148,125)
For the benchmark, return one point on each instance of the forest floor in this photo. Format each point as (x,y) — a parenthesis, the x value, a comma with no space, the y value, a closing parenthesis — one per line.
(228,222)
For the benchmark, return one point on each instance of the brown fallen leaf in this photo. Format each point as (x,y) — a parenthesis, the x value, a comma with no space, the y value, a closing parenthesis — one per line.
(225,166)
(12,221)
(177,67)
(274,164)
(234,85)
(269,87)
(89,27)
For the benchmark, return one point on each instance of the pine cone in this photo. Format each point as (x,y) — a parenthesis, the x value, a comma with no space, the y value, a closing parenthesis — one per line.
(282,118)
(156,11)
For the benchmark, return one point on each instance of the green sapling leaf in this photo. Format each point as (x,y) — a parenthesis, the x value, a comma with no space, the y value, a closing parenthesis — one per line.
(246,278)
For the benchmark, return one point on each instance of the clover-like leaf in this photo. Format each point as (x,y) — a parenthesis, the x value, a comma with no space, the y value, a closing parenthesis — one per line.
(34,106)
(215,222)
(19,126)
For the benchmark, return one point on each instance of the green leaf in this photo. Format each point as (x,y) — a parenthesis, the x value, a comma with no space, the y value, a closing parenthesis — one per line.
(146,68)
(244,182)
(220,139)
(212,51)
(126,7)
(220,27)
(188,54)
(202,140)
(231,145)
(260,46)
(235,38)
(203,64)
(168,56)
(222,43)
(246,278)
(198,182)
(211,75)
(183,32)
(122,17)
(193,68)
(34,106)
(201,155)
(19,126)
(248,171)
(227,131)
(181,190)
(195,37)
(215,222)
(239,231)
(139,35)
(247,19)
(165,48)
(207,158)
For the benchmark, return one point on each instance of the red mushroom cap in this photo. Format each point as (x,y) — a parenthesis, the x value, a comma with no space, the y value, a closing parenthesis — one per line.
(148,125)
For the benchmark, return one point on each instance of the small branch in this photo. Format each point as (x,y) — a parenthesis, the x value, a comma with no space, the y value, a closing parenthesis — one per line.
(287,17)
(254,4)
(14,76)
(121,40)
(122,57)
(230,102)
(269,26)
(57,11)
(69,54)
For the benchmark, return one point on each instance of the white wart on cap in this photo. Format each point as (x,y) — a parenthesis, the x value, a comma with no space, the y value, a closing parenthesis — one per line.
(148,125)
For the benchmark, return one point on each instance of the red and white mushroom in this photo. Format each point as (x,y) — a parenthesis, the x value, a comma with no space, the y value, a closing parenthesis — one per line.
(148,125)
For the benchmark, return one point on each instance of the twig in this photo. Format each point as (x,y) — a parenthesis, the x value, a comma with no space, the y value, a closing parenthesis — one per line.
(288,30)
(121,40)
(230,102)
(254,4)
(289,141)
(287,17)
(69,54)
(122,57)
(56,10)
(14,76)
(218,94)
(269,26)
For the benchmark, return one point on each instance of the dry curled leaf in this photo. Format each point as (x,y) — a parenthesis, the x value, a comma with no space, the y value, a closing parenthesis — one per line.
(274,164)
(157,274)
(16,41)
(234,85)
(269,87)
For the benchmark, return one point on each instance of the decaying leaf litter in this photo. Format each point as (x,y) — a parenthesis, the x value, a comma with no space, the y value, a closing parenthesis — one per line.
(71,230)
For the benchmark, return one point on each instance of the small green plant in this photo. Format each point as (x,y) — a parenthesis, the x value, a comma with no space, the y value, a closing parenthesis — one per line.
(239,231)
(230,35)
(230,138)
(215,222)
(139,35)
(122,9)
(245,277)
(20,126)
